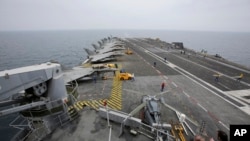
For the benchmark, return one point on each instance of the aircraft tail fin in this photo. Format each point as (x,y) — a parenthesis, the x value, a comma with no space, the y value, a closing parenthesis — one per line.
(95,46)
(89,52)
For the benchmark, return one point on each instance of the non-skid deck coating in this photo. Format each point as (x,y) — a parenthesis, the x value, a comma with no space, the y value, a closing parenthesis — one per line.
(202,73)
(113,102)
(192,86)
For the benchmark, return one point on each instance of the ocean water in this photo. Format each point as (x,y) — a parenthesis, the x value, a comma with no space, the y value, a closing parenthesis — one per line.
(24,48)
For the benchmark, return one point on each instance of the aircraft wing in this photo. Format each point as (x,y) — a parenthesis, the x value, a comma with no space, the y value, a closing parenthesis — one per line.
(106,70)
(105,50)
(76,73)
(102,58)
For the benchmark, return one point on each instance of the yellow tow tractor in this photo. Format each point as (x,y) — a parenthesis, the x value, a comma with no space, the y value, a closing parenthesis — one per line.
(126,76)
(128,51)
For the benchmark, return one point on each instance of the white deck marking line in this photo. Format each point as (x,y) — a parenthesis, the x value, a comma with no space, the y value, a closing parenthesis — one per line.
(158,71)
(174,84)
(240,69)
(202,107)
(203,87)
(224,125)
(169,64)
(186,94)
(201,84)
(156,56)
(210,89)
(165,77)
(224,86)
(230,77)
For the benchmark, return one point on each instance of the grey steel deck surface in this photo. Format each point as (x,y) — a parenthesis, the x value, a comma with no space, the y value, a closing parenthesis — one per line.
(192,86)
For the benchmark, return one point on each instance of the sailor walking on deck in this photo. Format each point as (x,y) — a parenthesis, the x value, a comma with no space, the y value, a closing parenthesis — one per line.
(133,77)
(94,78)
(217,76)
(154,64)
(162,86)
(240,77)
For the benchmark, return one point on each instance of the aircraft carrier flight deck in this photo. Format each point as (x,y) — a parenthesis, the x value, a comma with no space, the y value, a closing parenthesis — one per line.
(128,89)
(190,78)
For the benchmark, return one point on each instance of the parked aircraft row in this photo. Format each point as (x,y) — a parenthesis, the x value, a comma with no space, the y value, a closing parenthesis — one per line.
(108,49)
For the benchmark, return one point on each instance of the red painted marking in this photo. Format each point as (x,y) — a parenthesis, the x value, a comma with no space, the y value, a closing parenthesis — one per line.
(193,100)
(213,116)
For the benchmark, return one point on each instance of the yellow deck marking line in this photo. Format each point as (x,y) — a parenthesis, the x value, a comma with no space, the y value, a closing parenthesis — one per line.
(79,105)
(82,104)
(95,103)
(112,105)
(88,103)
(115,97)
(91,104)
(117,103)
(115,100)
(69,108)
(76,108)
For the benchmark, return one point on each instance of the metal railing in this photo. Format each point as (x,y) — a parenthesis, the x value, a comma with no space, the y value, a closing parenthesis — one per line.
(36,129)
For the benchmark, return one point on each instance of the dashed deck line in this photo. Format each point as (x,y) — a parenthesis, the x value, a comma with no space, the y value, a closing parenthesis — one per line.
(174,84)
(202,107)
(193,100)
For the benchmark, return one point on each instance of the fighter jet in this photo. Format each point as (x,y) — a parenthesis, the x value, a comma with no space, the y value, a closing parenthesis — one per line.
(103,51)
(109,49)
(106,52)
(77,73)
(110,56)
(80,73)
(108,43)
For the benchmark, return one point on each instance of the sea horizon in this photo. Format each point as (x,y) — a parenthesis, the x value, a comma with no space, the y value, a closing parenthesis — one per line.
(233,46)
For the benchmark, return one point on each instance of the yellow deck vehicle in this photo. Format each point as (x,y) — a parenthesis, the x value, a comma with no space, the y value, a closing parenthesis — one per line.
(126,76)
(128,51)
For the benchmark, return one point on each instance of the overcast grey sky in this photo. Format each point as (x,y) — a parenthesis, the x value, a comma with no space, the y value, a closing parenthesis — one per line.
(204,15)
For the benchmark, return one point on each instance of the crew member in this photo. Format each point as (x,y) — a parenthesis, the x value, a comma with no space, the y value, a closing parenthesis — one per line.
(162,86)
